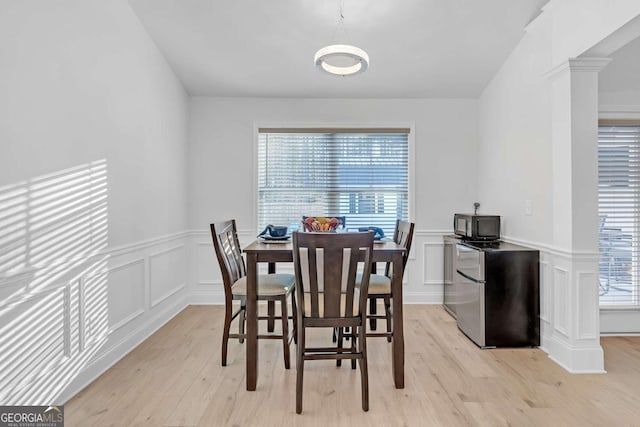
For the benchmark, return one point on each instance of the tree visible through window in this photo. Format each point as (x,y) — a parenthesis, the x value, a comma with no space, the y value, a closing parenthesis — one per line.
(360,175)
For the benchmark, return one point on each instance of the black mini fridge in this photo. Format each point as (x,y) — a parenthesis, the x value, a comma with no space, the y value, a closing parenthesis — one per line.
(498,291)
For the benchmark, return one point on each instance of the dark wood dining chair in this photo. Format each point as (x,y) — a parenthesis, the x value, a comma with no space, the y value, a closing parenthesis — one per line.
(271,287)
(326,267)
(380,284)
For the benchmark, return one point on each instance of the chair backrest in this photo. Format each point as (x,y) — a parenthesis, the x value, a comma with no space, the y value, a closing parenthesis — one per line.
(228,252)
(325,266)
(403,236)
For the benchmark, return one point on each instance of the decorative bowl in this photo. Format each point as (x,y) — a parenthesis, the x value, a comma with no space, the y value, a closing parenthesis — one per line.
(320,224)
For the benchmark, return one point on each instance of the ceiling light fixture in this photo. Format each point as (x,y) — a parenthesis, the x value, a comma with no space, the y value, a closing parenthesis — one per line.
(341,59)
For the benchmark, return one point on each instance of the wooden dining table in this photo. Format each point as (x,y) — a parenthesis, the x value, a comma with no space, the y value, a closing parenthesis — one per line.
(278,252)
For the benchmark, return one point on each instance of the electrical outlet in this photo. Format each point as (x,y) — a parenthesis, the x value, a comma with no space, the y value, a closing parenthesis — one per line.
(528,207)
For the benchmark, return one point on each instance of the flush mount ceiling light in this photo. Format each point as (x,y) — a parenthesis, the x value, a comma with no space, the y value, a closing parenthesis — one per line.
(341,59)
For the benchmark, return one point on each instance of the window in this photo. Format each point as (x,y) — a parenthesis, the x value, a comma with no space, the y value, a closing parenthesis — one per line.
(360,174)
(619,210)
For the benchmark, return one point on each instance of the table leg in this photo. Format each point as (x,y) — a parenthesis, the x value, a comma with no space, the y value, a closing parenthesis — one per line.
(252,322)
(397,360)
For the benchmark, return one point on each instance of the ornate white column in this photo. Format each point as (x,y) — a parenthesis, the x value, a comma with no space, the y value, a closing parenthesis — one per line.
(574,338)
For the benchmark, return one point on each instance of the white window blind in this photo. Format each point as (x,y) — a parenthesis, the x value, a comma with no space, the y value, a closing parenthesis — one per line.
(362,175)
(619,209)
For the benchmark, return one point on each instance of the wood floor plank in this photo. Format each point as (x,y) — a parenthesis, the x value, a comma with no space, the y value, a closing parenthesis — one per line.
(174,378)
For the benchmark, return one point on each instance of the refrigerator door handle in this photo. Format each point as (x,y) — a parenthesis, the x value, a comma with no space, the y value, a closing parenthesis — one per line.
(466,276)
(471,310)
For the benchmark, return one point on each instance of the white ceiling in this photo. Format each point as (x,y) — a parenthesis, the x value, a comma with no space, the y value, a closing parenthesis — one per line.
(265,48)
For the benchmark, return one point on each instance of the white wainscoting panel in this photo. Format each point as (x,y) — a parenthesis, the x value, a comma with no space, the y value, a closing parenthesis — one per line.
(207,285)
(433,263)
(32,342)
(206,265)
(587,319)
(64,321)
(562,308)
(568,308)
(167,273)
(546,293)
(125,303)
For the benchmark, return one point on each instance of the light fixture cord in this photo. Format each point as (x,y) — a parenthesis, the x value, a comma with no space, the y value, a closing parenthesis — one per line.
(340,25)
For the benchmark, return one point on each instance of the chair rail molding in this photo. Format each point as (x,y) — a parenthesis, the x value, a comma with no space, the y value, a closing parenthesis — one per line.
(420,287)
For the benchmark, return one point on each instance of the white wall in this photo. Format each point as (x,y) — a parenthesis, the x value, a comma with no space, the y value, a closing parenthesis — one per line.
(619,85)
(92,202)
(514,150)
(222,183)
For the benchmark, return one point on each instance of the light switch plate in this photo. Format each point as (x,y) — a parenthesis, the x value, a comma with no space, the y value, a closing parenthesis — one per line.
(528,207)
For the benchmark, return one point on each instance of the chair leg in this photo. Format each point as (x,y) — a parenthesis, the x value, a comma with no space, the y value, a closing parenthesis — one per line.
(353,345)
(364,371)
(300,368)
(373,310)
(339,340)
(242,320)
(271,314)
(225,331)
(294,308)
(285,331)
(387,313)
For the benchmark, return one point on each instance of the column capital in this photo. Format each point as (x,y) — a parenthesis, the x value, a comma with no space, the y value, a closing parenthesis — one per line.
(578,65)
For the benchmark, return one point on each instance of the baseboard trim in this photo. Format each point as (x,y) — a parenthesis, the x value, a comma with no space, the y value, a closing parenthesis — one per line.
(424,297)
(206,297)
(576,360)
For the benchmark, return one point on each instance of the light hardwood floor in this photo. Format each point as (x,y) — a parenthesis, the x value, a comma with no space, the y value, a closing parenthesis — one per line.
(175,379)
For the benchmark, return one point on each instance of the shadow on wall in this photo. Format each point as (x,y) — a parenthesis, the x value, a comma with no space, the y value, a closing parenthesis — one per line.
(53,297)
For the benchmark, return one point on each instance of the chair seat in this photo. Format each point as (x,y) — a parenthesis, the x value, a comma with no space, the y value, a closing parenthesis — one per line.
(378,283)
(343,301)
(268,285)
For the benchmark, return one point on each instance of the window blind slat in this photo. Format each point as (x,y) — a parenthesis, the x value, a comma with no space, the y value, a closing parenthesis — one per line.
(361,175)
(619,209)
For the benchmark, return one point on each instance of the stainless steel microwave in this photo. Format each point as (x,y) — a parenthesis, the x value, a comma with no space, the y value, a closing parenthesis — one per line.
(477,227)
